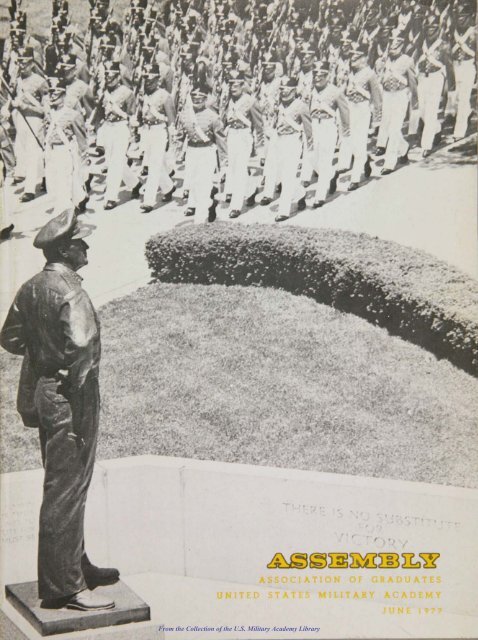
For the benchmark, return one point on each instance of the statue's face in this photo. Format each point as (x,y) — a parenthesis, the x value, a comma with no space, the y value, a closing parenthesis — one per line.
(75,254)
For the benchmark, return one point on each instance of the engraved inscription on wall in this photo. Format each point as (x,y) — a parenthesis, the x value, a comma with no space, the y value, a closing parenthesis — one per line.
(363,528)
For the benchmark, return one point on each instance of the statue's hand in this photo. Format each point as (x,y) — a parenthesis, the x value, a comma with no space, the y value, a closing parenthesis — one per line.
(64,386)
(78,440)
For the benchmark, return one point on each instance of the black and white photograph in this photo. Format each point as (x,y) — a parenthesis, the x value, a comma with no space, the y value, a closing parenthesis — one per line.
(238,319)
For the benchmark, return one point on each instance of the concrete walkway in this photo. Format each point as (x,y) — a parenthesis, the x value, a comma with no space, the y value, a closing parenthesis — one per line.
(429,204)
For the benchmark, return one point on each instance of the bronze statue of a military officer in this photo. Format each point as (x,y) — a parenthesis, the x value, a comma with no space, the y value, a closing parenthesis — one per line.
(53,325)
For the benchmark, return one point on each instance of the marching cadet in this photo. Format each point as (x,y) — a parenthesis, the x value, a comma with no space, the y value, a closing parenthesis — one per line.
(304,91)
(243,118)
(404,17)
(206,140)
(66,148)
(399,84)
(434,65)
(293,118)
(463,54)
(268,97)
(363,94)
(159,116)
(28,114)
(326,102)
(78,93)
(306,77)
(79,96)
(119,106)
(13,45)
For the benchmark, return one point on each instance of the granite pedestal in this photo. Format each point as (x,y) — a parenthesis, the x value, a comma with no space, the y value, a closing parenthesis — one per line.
(129,608)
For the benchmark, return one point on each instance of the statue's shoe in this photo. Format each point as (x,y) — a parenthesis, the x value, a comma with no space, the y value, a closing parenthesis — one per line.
(86,600)
(99,576)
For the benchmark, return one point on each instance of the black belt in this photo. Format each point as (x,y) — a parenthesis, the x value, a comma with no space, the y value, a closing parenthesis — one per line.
(321,117)
(199,144)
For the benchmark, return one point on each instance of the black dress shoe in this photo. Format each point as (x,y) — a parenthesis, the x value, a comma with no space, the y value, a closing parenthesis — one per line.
(380,151)
(88,182)
(265,201)
(426,153)
(168,196)
(367,169)
(190,211)
(135,191)
(99,152)
(251,200)
(353,186)
(403,159)
(27,197)
(281,218)
(43,186)
(100,576)
(211,213)
(18,180)
(172,173)
(235,213)
(81,206)
(6,232)
(228,198)
(318,203)
(144,172)
(301,204)
(146,208)
(185,194)
(385,171)
(333,184)
(111,204)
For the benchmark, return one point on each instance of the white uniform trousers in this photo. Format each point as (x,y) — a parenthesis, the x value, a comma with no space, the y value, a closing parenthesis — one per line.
(430,89)
(325,134)
(64,178)
(465,72)
(394,110)
(271,164)
(360,115)
(201,163)
(28,154)
(115,138)
(239,149)
(307,167)
(155,141)
(289,149)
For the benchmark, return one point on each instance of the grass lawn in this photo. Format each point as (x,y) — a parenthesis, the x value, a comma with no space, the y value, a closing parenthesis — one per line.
(263,377)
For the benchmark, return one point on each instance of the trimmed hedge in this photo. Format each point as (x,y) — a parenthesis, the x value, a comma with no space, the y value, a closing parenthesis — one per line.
(408,292)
